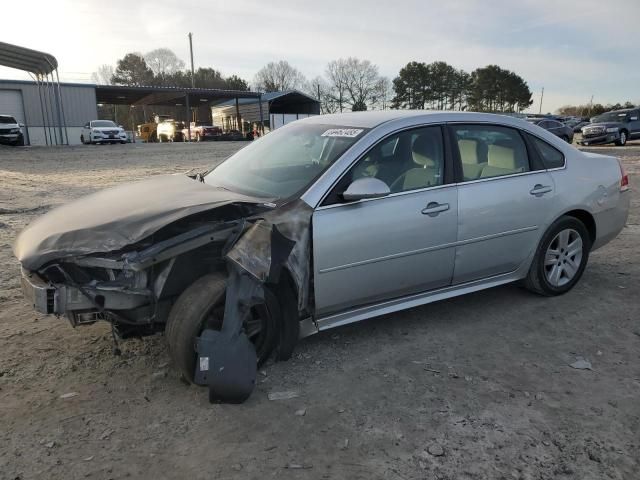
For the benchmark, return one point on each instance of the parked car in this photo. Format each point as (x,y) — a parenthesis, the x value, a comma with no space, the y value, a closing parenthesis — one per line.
(616,126)
(201,131)
(554,126)
(11,131)
(407,208)
(102,131)
(170,130)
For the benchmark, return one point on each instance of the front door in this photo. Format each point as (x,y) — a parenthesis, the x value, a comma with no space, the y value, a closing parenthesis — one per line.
(373,250)
(502,206)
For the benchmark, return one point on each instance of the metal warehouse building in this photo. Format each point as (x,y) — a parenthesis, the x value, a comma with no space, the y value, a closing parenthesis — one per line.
(23,100)
(54,113)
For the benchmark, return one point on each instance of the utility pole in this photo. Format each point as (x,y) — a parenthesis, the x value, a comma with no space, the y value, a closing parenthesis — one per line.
(193,79)
(193,85)
(591,105)
(541,97)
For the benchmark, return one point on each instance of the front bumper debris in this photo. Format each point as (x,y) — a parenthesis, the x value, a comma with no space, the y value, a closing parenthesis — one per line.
(64,299)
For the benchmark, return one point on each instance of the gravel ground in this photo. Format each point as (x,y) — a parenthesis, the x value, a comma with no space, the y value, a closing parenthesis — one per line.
(476,387)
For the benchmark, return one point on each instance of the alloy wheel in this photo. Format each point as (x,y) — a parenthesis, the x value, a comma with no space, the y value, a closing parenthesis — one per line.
(563,257)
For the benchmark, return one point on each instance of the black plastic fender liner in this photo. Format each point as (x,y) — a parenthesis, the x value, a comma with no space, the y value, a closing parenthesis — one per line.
(227,365)
(227,361)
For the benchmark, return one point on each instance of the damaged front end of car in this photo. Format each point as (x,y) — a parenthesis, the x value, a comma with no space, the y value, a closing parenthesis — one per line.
(128,264)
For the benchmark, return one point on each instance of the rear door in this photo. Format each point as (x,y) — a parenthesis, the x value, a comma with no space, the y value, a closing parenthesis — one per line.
(634,124)
(502,210)
(377,249)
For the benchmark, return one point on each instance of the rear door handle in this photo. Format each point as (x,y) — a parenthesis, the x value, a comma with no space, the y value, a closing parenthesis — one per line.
(434,208)
(540,190)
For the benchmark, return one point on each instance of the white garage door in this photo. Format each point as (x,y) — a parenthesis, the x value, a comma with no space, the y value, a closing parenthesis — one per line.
(11,104)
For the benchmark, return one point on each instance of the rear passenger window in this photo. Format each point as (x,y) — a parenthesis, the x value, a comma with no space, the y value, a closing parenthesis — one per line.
(551,157)
(490,151)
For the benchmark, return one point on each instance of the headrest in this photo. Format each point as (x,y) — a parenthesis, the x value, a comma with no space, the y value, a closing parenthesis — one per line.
(424,150)
(468,150)
(502,157)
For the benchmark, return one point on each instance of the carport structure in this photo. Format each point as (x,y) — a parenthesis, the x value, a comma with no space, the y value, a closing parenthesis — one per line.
(41,67)
(168,96)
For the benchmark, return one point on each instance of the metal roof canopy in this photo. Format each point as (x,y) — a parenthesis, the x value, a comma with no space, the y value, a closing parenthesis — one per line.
(148,95)
(41,66)
(21,58)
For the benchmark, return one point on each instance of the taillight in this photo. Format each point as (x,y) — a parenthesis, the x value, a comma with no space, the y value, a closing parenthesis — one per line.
(624,180)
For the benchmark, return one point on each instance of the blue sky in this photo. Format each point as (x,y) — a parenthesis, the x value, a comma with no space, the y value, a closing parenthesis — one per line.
(574,49)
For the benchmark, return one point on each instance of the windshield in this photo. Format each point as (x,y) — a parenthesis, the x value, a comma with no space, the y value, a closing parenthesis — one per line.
(285,161)
(7,120)
(102,123)
(612,117)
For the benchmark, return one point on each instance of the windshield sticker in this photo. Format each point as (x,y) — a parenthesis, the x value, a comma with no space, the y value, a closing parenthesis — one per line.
(342,132)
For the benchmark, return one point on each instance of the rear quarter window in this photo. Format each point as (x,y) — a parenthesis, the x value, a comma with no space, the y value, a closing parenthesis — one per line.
(551,156)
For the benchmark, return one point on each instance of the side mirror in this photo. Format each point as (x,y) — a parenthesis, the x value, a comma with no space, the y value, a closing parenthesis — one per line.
(367,187)
(21,125)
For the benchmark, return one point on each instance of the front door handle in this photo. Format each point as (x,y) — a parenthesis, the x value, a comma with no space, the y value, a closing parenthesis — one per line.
(540,190)
(434,208)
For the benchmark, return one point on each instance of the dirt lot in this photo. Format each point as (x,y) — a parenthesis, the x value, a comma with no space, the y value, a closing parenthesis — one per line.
(477,387)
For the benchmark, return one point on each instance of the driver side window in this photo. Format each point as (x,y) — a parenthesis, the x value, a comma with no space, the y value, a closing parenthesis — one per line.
(408,160)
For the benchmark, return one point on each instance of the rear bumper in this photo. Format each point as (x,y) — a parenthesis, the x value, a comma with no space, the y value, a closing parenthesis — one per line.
(609,223)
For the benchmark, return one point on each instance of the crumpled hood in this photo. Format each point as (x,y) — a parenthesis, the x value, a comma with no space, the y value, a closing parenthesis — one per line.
(116,217)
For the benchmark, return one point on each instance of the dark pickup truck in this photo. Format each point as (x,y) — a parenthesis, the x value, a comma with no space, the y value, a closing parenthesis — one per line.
(616,126)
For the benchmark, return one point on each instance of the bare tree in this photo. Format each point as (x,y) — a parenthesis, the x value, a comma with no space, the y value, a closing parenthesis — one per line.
(319,89)
(336,74)
(279,76)
(103,75)
(354,83)
(383,93)
(163,62)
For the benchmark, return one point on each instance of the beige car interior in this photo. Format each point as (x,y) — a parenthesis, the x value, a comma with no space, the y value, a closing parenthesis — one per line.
(426,155)
(482,160)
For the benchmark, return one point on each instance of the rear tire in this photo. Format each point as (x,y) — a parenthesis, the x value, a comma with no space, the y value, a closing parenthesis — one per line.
(202,304)
(560,258)
(621,142)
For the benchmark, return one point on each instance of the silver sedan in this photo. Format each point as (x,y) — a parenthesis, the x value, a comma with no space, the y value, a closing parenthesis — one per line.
(327,221)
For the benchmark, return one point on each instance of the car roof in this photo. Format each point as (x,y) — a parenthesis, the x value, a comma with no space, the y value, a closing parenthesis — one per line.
(375,118)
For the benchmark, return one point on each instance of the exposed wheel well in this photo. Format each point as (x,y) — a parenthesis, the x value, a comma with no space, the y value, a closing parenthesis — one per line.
(586,218)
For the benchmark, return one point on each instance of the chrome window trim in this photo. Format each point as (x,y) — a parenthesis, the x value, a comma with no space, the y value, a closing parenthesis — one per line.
(316,193)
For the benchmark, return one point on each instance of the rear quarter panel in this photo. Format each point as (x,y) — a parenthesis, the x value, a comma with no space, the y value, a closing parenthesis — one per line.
(591,182)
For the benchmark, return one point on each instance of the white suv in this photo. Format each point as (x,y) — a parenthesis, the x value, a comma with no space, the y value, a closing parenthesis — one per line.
(10,131)
(102,131)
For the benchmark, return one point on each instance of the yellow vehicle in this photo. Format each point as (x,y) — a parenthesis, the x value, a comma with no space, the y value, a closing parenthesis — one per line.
(148,132)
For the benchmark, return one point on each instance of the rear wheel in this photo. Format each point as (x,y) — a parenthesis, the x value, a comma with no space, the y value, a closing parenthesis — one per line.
(623,139)
(201,306)
(560,259)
